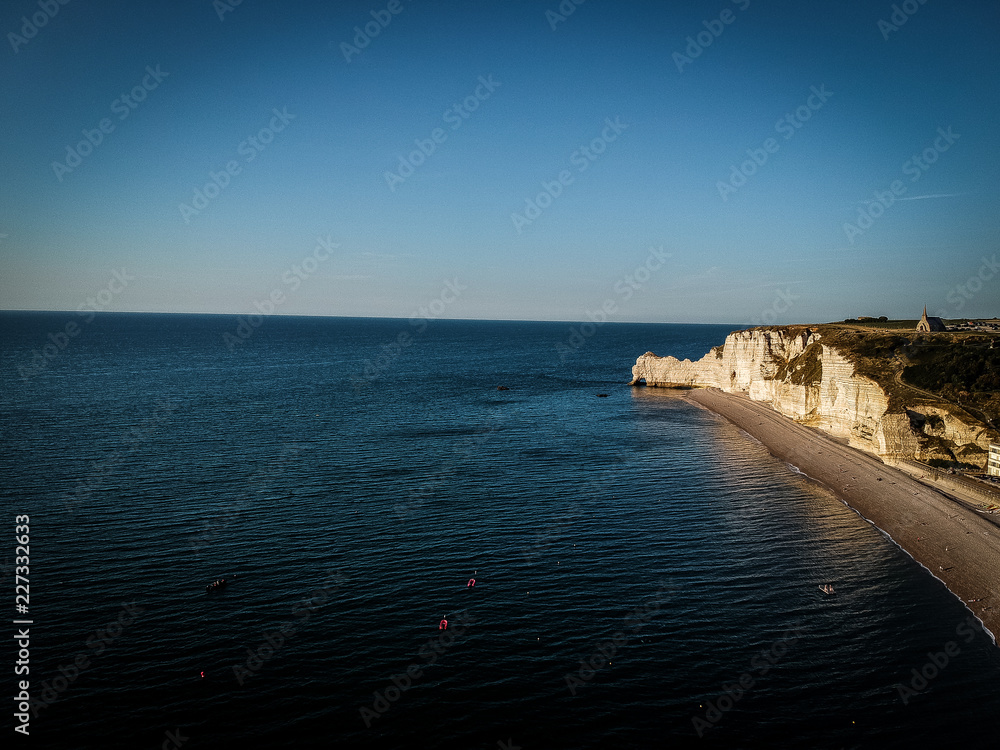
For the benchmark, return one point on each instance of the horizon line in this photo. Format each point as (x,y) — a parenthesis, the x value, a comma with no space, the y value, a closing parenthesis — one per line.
(749,324)
(358,317)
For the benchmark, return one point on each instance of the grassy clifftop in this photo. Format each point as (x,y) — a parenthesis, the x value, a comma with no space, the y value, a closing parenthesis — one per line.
(960,368)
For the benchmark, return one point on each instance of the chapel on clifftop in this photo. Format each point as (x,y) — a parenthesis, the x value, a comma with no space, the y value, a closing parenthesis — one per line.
(927,325)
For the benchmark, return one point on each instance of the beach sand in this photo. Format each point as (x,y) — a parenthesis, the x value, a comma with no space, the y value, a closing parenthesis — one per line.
(955,544)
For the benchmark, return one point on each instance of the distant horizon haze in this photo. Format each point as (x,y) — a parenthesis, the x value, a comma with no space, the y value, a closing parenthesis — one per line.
(568,321)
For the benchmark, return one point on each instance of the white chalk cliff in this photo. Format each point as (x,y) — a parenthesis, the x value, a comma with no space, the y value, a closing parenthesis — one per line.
(816,384)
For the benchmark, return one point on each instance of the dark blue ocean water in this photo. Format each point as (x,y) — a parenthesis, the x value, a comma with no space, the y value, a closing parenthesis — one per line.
(634,555)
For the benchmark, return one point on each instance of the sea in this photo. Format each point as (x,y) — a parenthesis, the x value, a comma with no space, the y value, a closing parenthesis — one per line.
(645,574)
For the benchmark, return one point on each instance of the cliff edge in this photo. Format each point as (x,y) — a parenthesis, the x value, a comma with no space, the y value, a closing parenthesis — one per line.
(822,377)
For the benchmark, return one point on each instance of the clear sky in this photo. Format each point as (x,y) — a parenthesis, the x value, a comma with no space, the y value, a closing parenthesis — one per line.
(750,157)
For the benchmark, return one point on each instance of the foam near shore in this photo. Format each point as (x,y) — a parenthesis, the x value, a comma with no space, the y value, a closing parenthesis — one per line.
(955,544)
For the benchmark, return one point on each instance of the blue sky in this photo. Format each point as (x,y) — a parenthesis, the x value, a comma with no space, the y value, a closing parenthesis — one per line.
(768,244)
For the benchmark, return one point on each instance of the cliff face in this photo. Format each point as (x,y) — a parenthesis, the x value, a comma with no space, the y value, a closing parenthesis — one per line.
(813,383)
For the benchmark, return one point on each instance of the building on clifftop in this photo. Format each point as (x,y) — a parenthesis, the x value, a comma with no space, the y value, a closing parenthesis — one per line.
(927,325)
(993,466)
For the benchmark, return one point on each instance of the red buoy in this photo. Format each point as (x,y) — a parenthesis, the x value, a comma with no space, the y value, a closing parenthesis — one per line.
(443,625)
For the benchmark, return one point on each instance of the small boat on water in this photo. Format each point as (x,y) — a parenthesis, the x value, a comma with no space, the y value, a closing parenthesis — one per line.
(215,585)
(826,588)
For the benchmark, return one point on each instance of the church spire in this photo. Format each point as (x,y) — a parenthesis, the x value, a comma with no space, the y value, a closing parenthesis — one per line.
(927,324)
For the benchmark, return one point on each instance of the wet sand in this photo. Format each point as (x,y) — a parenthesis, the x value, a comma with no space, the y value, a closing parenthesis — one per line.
(955,544)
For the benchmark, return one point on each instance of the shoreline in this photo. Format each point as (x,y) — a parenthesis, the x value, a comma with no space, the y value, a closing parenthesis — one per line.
(953,543)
